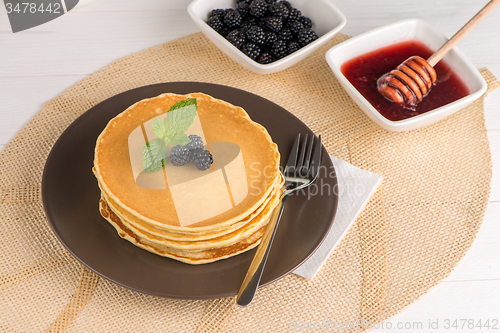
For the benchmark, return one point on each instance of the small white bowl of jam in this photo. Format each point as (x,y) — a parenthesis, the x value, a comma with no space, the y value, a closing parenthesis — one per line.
(360,61)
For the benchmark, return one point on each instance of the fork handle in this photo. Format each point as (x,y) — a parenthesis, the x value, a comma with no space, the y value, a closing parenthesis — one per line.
(254,273)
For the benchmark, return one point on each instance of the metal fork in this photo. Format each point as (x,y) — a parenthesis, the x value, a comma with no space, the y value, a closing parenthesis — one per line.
(301,171)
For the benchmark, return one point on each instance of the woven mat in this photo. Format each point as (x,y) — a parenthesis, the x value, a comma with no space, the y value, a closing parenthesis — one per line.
(411,235)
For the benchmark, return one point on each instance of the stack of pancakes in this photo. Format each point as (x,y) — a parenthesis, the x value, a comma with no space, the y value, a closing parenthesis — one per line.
(180,212)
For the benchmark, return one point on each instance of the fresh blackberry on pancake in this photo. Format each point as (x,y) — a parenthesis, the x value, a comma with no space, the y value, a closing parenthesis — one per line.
(196,142)
(202,159)
(179,155)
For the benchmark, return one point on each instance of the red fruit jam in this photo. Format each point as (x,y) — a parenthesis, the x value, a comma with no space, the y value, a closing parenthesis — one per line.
(364,71)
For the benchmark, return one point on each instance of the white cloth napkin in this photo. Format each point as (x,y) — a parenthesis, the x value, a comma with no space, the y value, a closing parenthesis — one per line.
(355,188)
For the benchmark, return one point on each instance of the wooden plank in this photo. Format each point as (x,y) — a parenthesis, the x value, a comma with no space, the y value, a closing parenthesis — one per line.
(447,302)
(46,60)
(23,97)
(84,42)
(492,101)
(120,5)
(481,263)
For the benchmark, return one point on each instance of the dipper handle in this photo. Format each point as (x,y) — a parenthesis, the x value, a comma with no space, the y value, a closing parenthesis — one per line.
(439,54)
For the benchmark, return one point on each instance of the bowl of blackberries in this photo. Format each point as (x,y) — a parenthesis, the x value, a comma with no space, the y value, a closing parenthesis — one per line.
(267,36)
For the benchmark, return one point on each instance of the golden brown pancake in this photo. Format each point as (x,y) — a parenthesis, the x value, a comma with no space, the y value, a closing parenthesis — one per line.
(132,222)
(194,257)
(222,122)
(144,207)
(250,225)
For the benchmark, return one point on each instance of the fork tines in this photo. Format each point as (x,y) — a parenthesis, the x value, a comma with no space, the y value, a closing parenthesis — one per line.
(303,159)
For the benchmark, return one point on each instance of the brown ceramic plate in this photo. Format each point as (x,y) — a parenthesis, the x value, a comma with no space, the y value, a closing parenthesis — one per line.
(71,195)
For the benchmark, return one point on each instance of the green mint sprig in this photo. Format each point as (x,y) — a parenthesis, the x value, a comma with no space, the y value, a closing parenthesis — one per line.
(169,131)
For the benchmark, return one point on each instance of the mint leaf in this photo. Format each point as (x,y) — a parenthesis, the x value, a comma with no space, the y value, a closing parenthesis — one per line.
(179,139)
(169,131)
(180,116)
(158,128)
(181,104)
(154,155)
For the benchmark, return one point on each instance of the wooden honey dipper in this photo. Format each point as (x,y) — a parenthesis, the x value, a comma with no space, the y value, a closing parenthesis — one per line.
(411,81)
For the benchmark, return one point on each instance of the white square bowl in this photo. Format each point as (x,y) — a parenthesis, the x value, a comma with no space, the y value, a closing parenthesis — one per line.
(327,21)
(392,34)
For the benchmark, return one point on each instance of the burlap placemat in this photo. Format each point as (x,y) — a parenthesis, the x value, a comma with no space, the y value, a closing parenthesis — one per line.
(412,233)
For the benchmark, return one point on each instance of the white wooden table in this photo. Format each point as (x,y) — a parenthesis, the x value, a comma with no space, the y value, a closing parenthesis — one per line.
(40,63)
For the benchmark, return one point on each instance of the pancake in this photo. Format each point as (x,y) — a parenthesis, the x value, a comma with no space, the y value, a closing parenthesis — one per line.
(134,223)
(222,122)
(193,258)
(175,208)
(250,225)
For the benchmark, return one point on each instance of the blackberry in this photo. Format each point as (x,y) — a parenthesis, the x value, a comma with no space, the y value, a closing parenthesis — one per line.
(196,142)
(295,26)
(294,14)
(224,31)
(251,50)
(285,34)
(286,3)
(279,49)
(264,30)
(179,155)
(306,22)
(256,34)
(232,19)
(237,38)
(271,38)
(279,9)
(272,23)
(292,47)
(258,8)
(247,23)
(265,57)
(218,12)
(305,36)
(202,159)
(243,8)
(215,23)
